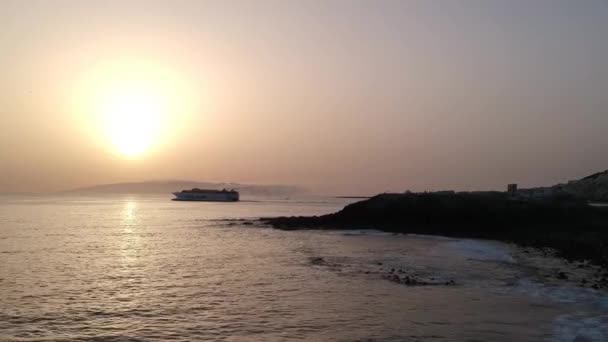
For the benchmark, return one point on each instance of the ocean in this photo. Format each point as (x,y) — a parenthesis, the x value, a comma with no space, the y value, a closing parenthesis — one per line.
(145,268)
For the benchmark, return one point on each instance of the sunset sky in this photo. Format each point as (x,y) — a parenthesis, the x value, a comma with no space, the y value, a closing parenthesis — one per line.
(350,97)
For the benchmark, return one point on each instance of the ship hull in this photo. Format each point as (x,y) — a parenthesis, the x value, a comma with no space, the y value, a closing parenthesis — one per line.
(206,197)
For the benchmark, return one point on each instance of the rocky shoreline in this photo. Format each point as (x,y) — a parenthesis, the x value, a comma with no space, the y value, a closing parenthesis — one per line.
(571,229)
(549,268)
(399,275)
(540,265)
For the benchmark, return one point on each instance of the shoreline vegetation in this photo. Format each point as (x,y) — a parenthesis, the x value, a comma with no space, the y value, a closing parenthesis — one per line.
(570,226)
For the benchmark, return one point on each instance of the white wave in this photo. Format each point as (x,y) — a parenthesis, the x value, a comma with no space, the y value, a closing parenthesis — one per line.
(432,237)
(482,250)
(564,294)
(589,325)
(364,232)
(580,327)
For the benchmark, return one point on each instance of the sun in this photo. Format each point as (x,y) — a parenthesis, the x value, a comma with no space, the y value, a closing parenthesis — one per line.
(132,118)
(133,107)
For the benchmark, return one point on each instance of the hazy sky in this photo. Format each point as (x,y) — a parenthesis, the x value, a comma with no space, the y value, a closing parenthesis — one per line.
(339,96)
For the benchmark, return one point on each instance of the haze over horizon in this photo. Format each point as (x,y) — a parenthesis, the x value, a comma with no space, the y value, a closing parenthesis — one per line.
(349,97)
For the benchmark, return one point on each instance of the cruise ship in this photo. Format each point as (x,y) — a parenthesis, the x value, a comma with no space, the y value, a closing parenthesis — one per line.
(197,194)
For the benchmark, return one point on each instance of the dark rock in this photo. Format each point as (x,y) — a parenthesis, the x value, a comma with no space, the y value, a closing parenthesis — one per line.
(392,270)
(317,261)
(561,275)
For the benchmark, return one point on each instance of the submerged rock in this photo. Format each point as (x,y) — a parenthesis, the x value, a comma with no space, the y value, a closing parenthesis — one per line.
(398,276)
(317,261)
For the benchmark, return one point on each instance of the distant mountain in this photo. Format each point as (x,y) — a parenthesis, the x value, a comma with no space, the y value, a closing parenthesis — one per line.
(592,188)
(152,187)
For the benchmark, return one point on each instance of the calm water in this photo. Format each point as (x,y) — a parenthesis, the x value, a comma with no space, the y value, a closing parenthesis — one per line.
(149,269)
